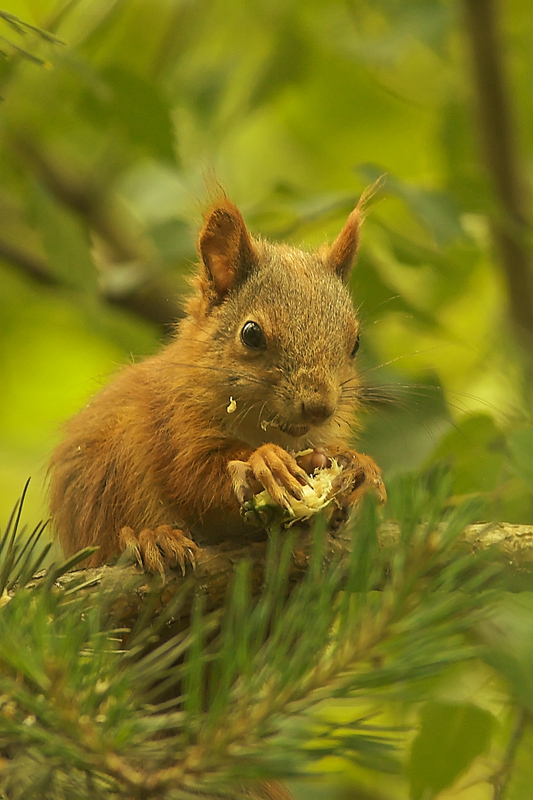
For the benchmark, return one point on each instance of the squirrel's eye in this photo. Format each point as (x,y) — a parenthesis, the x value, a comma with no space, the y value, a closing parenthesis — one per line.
(252,336)
(355,347)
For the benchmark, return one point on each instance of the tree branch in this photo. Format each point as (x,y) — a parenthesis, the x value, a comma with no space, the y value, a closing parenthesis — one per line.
(501,779)
(510,546)
(88,200)
(503,161)
(153,297)
(27,263)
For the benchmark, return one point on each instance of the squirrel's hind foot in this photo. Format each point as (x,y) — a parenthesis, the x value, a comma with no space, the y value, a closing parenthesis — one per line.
(155,550)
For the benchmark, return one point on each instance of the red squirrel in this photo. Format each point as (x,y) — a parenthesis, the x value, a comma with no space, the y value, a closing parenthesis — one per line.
(261,368)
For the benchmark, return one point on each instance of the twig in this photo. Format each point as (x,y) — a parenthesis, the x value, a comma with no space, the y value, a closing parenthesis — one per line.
(501,778)
(89,201)
(32,266)
(150,300)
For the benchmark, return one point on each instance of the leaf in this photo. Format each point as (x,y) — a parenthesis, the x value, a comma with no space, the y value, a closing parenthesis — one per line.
(66,241)
(475,449)
(521,447)
(286,63)
(401,432)
(139,108)
(436,211)
(509,644)
(450,738)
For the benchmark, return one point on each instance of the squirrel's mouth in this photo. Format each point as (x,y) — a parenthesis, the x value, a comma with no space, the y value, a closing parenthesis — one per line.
(294,430)
(286,427)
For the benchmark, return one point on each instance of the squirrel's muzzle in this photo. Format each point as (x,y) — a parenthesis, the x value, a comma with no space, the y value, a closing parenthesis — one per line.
(316,410)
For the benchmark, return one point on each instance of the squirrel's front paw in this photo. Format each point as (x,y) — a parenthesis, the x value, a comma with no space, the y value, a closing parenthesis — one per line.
(360,474)
(271,468)
(154,550)
(356,473)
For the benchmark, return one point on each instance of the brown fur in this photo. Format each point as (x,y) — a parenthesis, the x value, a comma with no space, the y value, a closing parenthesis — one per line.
(157,450)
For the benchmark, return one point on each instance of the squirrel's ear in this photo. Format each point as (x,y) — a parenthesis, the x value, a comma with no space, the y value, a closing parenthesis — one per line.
(341,254)
(225,246)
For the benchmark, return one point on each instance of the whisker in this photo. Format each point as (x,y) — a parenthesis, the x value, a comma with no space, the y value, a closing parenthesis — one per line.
(422,391)
(364,316)
(402,357)
(453,398)
(219,369)
(245,411)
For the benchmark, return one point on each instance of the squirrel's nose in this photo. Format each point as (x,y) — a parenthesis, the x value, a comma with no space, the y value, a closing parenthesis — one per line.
(316,410)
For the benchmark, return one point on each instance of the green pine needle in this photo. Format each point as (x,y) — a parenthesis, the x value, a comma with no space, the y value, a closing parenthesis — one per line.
(22,28)
(240,694)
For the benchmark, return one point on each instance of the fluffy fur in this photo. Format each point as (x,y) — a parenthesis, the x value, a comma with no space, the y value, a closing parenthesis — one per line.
(157,457)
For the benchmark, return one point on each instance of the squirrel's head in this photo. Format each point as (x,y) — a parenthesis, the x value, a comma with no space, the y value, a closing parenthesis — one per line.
(283,331)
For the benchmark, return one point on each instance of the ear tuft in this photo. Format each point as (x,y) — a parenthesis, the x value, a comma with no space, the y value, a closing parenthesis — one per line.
(225,246)
(341,254)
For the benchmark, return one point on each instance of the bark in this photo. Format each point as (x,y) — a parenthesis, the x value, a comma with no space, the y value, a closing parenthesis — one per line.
(509,546)
(503,160)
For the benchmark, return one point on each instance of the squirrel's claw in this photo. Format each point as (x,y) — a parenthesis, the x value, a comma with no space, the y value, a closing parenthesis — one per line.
(271,468)
(360,474)
(155,550)
(243,481)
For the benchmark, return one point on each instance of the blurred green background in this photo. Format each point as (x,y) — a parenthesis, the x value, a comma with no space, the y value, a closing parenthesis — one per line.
(107,138)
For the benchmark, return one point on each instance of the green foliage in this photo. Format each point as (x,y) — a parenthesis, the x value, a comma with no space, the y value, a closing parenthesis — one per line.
(240,694)
(21,28)
(19,560)
(294,107)
(509,641)
(449,739)
(112,113)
